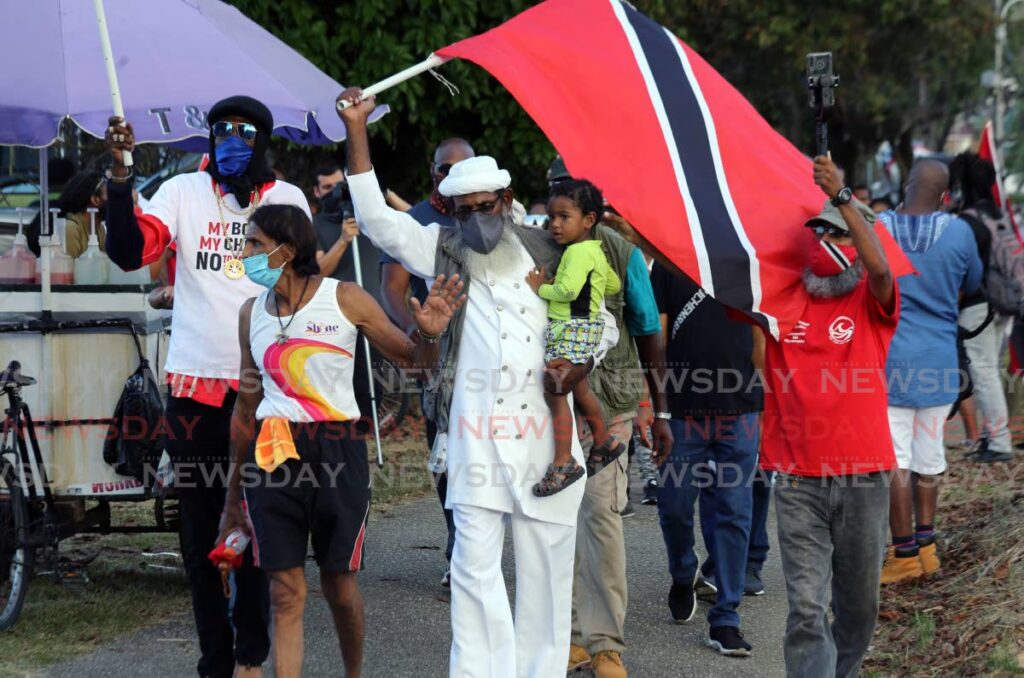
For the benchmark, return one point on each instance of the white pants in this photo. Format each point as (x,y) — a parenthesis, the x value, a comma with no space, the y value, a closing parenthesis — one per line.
(485,641)
(984,351)
(917,438)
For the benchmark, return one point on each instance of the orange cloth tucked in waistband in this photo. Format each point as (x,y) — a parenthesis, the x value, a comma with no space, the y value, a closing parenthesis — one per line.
(275,445)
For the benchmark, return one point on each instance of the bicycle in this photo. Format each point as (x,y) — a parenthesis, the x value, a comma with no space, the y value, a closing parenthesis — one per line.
(27,516)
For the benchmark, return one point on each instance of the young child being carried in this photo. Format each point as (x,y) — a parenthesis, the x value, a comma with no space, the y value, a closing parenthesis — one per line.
(575,325)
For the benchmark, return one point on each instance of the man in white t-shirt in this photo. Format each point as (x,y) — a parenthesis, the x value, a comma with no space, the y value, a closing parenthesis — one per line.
(206,214)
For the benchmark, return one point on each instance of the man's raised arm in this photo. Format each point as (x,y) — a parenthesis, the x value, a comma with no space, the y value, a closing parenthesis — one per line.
(869,247)
(394,232)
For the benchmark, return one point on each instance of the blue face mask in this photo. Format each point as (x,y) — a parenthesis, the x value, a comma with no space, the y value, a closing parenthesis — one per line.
(233,156)
(257,268)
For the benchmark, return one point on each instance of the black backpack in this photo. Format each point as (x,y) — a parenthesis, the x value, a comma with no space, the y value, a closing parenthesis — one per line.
(133,441)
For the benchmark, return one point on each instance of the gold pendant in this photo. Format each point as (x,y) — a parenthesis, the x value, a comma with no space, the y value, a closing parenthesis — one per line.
(234,269)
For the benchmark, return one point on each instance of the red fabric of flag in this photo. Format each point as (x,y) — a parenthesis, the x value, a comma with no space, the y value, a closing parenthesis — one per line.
(681,154)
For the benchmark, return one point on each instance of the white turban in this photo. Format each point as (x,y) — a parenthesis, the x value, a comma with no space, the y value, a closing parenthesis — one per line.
(475,175)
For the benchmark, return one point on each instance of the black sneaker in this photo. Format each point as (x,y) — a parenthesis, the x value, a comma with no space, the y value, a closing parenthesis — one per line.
(752,584)
(987,456)
(981,453)
(628,511)
(706,589)
(729,641)
(682,602)
(650,493)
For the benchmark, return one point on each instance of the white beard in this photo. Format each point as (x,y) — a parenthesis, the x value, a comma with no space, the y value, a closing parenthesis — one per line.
(838,285)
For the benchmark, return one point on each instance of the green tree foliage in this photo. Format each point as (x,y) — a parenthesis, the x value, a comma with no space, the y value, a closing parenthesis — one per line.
(907,68)
(364,41)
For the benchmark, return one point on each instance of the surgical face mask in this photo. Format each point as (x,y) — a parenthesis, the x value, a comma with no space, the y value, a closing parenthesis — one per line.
(257,268)
(828,259)
(482,232)
(233,156)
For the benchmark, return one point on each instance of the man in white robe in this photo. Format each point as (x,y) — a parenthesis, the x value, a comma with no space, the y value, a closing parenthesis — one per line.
(497,436)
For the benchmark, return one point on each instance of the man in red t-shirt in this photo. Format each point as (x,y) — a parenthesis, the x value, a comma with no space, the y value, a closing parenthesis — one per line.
(826,435)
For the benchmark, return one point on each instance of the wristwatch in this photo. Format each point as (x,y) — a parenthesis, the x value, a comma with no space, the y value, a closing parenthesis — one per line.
(662,415)
(844,197)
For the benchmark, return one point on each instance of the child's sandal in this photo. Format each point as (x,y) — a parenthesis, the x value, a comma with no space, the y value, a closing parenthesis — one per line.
(558,478)
(600,457)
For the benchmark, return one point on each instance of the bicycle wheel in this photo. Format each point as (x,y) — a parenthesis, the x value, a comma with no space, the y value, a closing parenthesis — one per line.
(16,559)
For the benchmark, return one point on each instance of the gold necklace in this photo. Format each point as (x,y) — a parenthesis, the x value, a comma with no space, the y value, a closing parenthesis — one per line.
(234,269)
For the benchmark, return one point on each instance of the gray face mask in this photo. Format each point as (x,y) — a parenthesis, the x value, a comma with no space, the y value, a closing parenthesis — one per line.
(482,232)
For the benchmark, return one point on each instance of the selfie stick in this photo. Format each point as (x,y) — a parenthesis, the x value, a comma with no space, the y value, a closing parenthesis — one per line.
(822,82)
(108,59)
(357,262)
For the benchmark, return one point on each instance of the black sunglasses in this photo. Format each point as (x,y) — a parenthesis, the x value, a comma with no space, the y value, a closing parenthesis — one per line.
(444,168)
(244,130)
(828,229)
(464,213)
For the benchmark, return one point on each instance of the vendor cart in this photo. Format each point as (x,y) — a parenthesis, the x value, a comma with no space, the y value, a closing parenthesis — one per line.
(70,349)
(67,366)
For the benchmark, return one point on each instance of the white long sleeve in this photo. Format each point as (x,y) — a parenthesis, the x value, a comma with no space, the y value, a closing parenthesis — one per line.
(394,232)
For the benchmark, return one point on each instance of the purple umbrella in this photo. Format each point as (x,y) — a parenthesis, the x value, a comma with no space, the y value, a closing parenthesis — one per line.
(175,59)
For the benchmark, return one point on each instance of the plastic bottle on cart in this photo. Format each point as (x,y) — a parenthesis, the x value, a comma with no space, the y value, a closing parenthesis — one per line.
(118,277)
(18,264)
(62,267)
(91,267)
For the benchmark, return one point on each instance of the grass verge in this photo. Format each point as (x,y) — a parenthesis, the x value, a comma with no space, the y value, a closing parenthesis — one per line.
(967,619)
(123,594)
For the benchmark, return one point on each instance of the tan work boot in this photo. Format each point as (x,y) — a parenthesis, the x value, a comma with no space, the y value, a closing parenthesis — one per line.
(929,558)
(900,568)
(578,659)
(608,664)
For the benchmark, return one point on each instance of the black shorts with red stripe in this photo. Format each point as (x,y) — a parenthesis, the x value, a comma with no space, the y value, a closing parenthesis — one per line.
(323,497)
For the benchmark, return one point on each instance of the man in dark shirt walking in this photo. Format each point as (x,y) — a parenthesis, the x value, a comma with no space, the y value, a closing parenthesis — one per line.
(714,400)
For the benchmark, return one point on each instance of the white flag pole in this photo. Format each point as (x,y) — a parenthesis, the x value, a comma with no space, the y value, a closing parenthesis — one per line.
(108,59)
(358,265)
(433,61)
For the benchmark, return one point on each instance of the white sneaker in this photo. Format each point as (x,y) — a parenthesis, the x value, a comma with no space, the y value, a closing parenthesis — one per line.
(446,580)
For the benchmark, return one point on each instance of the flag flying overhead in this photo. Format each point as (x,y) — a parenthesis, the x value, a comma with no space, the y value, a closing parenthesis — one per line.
(987,151)
(673,146)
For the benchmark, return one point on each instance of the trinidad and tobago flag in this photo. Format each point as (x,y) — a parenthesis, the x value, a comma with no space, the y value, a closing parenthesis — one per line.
(673,146)
(987,151)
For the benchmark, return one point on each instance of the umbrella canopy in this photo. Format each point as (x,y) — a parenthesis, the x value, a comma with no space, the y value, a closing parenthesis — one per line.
(175,59)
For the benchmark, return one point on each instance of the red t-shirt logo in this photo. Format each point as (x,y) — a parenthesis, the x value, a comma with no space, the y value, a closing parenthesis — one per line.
(841,330)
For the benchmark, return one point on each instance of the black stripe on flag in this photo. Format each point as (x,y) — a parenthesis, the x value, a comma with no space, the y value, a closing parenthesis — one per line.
(730,263)
(836,254)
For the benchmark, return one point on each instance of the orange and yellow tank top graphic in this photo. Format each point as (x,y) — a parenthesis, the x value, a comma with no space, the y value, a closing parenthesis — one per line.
(309,376)
(287,365)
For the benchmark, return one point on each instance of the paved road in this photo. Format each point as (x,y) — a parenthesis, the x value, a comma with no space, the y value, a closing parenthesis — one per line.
(407,615)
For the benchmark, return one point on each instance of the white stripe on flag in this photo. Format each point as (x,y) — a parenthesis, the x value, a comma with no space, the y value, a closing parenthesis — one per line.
(996,163)
(703,263)
(836,254)
(723,185)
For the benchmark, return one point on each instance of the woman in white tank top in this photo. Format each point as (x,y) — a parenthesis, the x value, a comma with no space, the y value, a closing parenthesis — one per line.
(307,473)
